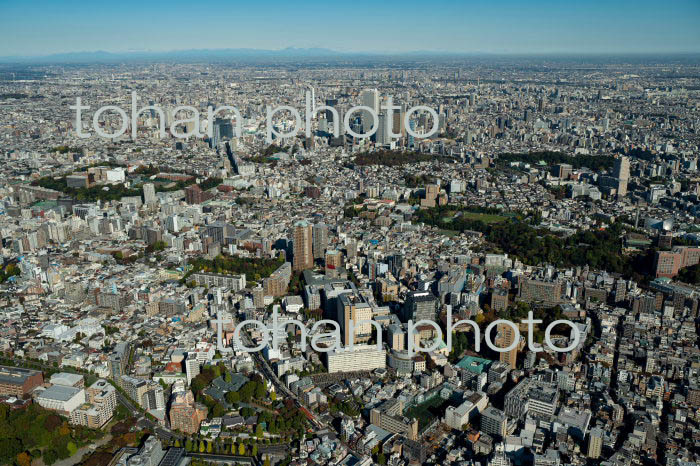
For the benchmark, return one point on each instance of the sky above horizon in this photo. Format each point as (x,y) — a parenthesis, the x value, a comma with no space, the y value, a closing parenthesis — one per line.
(45,27)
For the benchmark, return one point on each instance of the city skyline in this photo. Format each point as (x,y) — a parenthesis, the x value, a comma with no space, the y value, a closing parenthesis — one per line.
(510,27)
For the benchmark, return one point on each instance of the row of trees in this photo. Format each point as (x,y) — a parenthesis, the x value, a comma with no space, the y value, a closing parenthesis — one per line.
(594,162)
(198,462)
(205,446)
(115,192)
(254,268)
(390,158)
(599,249)
(210,183)
(67,149)
(415,181)
(91,194)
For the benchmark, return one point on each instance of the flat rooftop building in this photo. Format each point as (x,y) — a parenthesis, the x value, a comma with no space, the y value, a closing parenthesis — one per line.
(18,381)
(61,398)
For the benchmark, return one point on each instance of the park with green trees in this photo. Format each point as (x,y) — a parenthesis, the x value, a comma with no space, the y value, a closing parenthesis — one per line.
(597,248)
(34,432)
(393,158)
(594,162)
(254,268)
(115,192)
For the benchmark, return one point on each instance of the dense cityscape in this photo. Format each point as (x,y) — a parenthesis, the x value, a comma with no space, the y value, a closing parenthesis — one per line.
(377,270)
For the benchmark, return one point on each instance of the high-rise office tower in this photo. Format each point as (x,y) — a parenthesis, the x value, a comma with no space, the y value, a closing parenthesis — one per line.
(192,367)
(320,240)
(420,305)
(149,193)
(258,297)
(494,422)
(506,337)
(333,259)
(369,98)
(595,442)
(173,223)
(329,114)
(411,139)
(351,249)
(382,135)
(223,129)
(353,307)
(194,194)
(312,97)
(621,171)
(303,246)
(395,263)
(398,126)
(622,168)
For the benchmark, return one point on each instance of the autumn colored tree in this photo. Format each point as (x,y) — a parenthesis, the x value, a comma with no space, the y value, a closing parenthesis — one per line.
(23,459)
(64,430)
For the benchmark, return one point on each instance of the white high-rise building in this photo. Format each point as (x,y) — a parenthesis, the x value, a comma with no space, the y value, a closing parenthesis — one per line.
(499,456)
(192,367)
(359,358)
(621,171)
(369,98)
(383,137)
(149,193)
(172,223)
(311,99)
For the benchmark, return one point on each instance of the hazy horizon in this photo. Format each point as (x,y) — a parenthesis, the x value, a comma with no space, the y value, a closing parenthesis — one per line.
(45,28)
(320,51)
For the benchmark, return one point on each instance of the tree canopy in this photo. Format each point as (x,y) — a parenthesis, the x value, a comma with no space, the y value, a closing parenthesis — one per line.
(594,162)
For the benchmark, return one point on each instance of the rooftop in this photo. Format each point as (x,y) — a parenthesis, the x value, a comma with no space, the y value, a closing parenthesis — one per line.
(474,364)
(60,393)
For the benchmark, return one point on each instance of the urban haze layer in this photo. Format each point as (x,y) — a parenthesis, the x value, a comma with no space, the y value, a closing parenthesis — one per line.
(564,187)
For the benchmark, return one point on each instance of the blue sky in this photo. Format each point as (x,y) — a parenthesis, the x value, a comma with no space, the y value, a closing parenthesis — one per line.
(40,27)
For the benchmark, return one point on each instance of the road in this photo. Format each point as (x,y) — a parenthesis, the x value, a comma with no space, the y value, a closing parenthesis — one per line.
(277,383)
(281,388)
(246,460)
(78,457)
